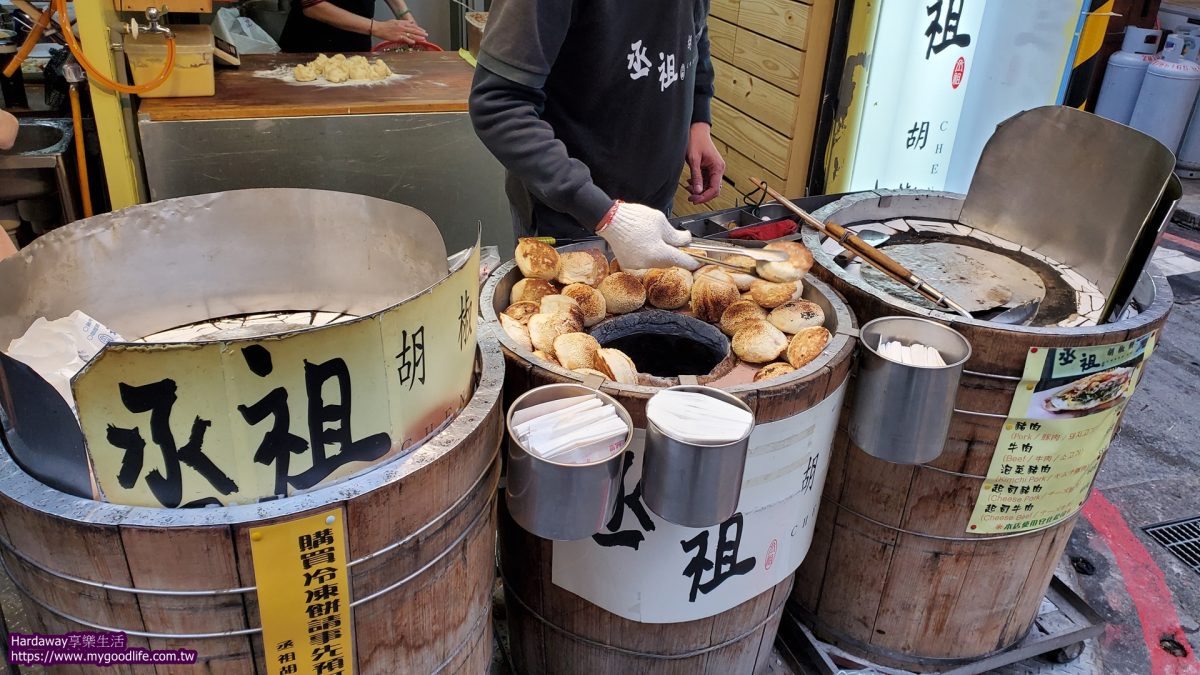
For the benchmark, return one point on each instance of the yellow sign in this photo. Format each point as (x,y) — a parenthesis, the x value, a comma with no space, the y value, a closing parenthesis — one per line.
(304,595)
(1062,418)
(237,421)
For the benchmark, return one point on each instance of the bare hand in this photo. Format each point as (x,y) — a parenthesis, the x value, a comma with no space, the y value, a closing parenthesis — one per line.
(705,163)
(400,30)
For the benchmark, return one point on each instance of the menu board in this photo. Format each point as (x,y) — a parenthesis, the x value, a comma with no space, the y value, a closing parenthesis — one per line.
(1062,418)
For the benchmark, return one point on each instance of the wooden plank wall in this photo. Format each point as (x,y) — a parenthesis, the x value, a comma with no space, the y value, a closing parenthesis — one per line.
(769,59)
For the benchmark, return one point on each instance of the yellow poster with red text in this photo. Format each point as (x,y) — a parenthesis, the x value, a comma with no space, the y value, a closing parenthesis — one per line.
(1062,418)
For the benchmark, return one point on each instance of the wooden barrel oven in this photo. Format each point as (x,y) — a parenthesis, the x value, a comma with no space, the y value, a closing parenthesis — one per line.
(421,541)
(892,574)
(555,631)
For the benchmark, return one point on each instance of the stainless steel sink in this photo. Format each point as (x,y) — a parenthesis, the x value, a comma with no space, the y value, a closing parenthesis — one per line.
(38,164)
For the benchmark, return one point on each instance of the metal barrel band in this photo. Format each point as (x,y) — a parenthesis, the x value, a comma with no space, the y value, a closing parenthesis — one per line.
(973,413)
(7,546)
(990,376)
(256,630)
(631,652)
(952,473)
(939,537)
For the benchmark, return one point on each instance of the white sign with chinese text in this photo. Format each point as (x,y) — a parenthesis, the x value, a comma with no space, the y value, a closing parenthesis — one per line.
(646,569)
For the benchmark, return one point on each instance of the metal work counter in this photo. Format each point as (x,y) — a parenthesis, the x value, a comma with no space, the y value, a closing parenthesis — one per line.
(408,141)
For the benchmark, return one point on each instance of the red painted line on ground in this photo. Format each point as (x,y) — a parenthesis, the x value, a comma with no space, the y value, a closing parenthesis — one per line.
(1186,243)
(1147,587)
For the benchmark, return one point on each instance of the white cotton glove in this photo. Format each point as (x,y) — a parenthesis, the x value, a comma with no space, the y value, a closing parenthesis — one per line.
(641,238)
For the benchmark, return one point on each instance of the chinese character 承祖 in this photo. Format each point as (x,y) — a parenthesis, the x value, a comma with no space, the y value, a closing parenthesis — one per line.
(638,65)
(158,399)
(948,32)
(724,564)
(632,501)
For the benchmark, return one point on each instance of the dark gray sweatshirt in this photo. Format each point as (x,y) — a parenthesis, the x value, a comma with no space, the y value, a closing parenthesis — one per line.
(587,101)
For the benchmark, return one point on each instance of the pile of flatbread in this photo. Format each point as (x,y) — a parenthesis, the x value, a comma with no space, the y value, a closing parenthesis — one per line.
(338,68)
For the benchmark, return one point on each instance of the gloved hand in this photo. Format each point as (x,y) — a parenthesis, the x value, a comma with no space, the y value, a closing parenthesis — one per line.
(641,237)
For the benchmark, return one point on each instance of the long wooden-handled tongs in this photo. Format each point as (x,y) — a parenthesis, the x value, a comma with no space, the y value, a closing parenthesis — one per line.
(876,258)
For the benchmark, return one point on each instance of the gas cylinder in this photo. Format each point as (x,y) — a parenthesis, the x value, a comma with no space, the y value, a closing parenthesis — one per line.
(1125,72)
(1168,93)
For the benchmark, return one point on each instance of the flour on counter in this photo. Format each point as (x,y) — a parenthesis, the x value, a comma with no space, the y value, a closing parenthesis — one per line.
(284,74)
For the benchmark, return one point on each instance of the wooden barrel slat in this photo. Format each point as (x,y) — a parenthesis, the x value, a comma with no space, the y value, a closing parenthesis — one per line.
(438,621)
(893,574)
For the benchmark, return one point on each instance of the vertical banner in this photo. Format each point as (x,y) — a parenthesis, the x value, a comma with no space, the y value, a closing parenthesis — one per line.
(304,595)
(1062,418)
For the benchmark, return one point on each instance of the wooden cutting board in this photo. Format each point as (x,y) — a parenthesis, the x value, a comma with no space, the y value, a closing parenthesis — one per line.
(438,82)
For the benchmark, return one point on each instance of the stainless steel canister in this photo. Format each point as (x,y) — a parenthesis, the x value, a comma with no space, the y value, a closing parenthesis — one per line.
(902,412)
(561,501)
(690,484)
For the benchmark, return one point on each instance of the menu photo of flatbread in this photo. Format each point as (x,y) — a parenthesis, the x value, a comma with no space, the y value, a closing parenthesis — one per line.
(1091,393)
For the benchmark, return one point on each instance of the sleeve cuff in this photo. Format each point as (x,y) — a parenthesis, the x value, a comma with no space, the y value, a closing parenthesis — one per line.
(510,72)
(591,205)
(702,109)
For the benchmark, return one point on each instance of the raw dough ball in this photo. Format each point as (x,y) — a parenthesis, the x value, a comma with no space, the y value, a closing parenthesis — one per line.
(338,58)
(359,60)
(623,293)
(336,74)
(796,315)
(807,345)
(521,311)
(757,342)
(739,313)
(380,70)
(576,350)
(770,370)
(536,259)
(670,288)
(360,71)
(590,301)
(304,73)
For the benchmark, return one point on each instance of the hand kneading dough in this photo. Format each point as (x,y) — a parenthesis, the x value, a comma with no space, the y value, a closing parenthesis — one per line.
(537,260)
(623,293)
(807,345)
(304,73)
(757,342)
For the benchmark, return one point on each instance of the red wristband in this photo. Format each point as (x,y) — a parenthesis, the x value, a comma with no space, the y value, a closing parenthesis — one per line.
(608,216)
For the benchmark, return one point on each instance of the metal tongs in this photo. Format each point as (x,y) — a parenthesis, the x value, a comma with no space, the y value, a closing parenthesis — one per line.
(756,254)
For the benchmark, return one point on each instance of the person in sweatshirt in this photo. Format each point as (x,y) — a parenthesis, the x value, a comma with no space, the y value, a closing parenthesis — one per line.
(592,106)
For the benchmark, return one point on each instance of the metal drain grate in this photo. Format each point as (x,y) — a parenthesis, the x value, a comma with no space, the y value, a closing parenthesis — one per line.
(1182,538)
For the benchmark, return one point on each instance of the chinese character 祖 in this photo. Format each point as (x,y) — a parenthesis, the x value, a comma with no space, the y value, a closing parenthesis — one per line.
(633,501)
(1088,361)
(666,71)
(918,136)
(287,657)
(278,443)
(948,32)
(638,65)
(158,398)
(724,564)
